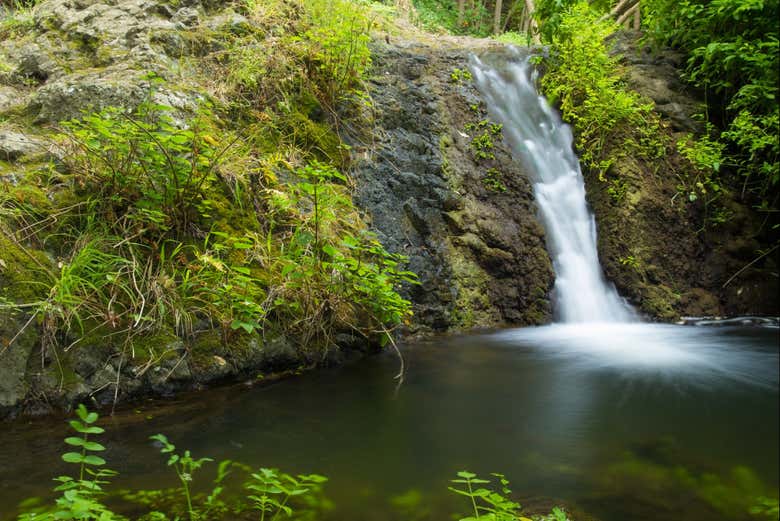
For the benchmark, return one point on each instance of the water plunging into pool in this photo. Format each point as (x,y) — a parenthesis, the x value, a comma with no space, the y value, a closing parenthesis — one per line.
(543,143)
(595,328)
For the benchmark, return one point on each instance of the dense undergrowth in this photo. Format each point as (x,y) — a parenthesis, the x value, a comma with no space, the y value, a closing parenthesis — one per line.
(732,56)
(584,80)
(236,218)
(734,62)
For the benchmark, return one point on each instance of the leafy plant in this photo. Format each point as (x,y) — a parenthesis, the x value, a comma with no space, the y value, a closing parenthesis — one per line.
(185,466)
(629,261)
(144,173)
(80,499)
(460,75)
(583,78)
(274,493)
(766,507)
(442,15)
(732,55)
(486,503)
(337,35)
(706,157)
(493,181)
(492,503)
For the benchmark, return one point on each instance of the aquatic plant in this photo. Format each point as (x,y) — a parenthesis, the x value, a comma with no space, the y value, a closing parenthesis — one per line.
(184,465)
(493,503)
(81,494)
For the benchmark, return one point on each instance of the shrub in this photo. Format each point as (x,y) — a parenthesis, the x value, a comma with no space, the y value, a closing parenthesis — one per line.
(584,80)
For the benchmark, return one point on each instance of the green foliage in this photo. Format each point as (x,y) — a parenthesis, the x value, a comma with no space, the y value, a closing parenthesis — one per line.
(758,145)
(493,503)
(733,56)
(442,15)
(486,503)
(767,508)
(328,264)
(706,157)
(337,35)
(629,261)
(617,189)
(459,75)
(80,499)
(184,465)
(493,181)
(273,493)
(482,144)
(585,81)
(143,173)
(550,14)
(321,47)
(18,20)
(268,494)
(514,38)
(160,225)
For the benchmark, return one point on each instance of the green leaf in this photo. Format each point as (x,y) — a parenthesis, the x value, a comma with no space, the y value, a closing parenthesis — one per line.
(80,427)
(91,445)
(330,250)
(94,460)
(76,442)
(72,457)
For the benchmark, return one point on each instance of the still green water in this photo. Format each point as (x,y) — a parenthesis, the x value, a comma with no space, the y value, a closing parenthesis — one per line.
(635,422)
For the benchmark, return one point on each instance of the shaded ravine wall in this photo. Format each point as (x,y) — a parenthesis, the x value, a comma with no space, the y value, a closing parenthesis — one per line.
(468,224)
(662,252)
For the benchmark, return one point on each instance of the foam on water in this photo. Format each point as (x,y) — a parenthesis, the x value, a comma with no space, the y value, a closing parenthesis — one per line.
(703,355)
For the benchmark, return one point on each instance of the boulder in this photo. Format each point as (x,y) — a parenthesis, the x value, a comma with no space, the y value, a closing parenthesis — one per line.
(14,145)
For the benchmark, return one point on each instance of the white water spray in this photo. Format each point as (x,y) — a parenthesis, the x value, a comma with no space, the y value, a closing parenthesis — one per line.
(543,144)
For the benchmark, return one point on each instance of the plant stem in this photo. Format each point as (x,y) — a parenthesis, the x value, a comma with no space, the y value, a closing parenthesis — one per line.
(473,501)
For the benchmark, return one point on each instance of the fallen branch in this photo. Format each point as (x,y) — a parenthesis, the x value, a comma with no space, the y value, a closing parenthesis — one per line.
(749,265)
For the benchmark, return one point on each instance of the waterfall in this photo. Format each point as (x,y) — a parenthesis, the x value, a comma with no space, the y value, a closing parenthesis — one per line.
(543,144)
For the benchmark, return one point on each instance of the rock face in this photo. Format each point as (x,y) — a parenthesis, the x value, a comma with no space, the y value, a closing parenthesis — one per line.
(468,225)
(669,257)
(84,56)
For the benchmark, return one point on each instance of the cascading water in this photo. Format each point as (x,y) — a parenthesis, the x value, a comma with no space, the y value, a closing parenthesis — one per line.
(543,143)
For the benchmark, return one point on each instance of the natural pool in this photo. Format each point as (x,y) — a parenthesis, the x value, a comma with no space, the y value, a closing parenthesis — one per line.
(624,422)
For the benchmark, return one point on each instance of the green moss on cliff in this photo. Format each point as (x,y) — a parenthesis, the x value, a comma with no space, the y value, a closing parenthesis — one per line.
(24,272)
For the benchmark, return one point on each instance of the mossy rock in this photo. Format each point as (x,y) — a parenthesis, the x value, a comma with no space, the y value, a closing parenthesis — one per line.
(23,271)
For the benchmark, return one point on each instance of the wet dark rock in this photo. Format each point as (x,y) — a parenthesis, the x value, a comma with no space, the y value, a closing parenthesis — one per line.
(13,360)
(479,254)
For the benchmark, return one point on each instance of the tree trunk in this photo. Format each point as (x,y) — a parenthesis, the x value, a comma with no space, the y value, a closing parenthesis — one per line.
(497,17)
(461,12)
(533,30)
